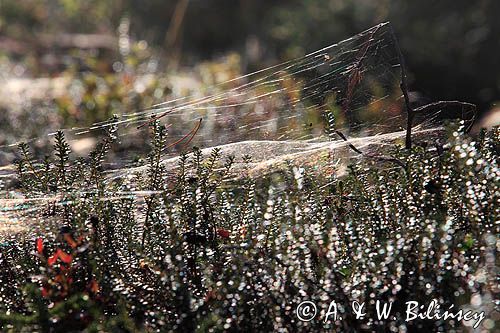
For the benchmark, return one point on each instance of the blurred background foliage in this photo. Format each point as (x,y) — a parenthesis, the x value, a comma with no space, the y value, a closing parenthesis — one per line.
(451,46)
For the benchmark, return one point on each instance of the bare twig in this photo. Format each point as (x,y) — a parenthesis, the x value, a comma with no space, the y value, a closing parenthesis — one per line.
(404,88)
(350,144)
(190,134)
(176,23)
(173,38)
(194,131)
(356,76)
(375,157)
(155,118)
(429,107)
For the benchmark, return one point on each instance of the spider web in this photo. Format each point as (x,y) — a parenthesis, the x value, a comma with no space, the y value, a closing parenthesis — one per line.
(356,80)
(291,112)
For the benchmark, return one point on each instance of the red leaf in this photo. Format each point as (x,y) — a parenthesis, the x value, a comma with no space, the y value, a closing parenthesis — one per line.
(94,286)
(210,295)
(223,233)
(65,258)
(71,242)
(52,259)
(39,245)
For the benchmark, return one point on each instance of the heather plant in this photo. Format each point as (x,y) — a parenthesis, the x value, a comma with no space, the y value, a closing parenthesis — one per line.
(197,249)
